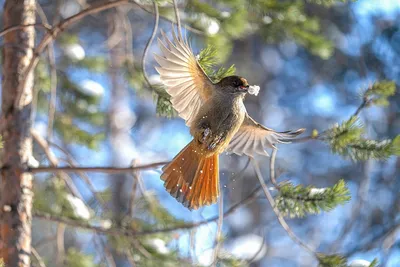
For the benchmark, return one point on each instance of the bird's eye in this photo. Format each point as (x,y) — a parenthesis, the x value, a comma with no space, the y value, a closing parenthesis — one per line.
(236,83)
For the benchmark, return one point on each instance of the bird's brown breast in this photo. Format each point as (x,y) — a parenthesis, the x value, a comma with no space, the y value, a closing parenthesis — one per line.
(217,122)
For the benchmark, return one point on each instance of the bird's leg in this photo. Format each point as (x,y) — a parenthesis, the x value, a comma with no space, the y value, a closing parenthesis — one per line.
(216,140)
(203,133)
(206,133)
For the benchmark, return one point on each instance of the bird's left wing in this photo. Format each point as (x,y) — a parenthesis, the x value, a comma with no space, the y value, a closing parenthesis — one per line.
(253,138)
(185,81)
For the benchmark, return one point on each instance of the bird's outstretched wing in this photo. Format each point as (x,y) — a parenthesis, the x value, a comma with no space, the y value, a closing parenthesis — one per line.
(185,81)
(253,138)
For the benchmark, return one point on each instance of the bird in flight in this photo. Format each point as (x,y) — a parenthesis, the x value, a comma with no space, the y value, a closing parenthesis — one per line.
(218,122)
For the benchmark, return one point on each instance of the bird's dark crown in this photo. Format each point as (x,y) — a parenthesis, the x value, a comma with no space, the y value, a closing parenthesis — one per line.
(234,84)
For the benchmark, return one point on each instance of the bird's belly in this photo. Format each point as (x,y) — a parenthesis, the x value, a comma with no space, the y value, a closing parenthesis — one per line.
(216,130)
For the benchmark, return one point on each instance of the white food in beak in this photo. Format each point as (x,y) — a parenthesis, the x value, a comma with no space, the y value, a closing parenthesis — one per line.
(254,89)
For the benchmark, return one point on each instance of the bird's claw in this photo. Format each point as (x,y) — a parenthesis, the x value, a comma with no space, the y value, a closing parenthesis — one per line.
(206,133)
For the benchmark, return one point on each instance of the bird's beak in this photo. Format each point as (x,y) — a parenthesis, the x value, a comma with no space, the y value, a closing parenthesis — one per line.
(244,88)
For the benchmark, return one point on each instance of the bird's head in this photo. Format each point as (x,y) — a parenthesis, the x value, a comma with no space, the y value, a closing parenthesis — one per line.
(233,85)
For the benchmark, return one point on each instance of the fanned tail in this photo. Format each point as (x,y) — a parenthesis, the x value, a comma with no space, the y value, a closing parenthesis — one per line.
(192,178)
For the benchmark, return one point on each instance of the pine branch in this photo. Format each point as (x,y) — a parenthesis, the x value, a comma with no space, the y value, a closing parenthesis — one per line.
(374,263)
(334,260)
(297,201)
(208,59)
(342,135)
(346,140)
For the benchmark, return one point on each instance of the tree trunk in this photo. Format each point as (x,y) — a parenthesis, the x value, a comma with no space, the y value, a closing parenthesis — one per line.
(15,185)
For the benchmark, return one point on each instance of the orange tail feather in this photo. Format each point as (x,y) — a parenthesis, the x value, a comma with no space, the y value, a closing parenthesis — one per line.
(192,178)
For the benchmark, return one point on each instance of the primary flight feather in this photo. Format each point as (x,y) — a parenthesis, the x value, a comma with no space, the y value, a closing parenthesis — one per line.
(218,121)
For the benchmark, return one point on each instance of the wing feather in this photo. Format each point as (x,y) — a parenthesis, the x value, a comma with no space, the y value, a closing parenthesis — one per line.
(253,138)
(185,81)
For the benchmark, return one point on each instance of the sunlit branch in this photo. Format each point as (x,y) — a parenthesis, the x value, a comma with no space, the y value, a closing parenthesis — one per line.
(272,168)
(37,257)
(178,20)
(96,169)
(150,41)
(281,220)
(218,235)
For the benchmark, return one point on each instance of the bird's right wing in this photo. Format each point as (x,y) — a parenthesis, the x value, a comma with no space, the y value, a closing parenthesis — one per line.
(253,138)
(185,81)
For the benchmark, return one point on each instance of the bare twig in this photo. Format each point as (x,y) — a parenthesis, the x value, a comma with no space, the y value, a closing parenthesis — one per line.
(19,27)
(60,244)
(187,27)
(149,42)
(258,251)
(365,103)
(128,38)
(54,162)
(218,236)
(37,257)
(53,76)
(130,258)
(96,169)
(357,208)
(72,162)
(272,168)
(107,253)
(44,241)
(281,220)
(178,20)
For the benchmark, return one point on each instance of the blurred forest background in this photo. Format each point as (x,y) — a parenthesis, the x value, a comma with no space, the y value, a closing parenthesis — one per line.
(317,63)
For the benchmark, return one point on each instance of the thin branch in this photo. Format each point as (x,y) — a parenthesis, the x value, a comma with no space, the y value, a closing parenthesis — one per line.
(37,257)
(130,232)
(272,168)
(218,236)
(72,162)
(128,38)
(132,197)
(365,103)
(281,220)
(187,27)
(149,42)
(60,244)
(55,31)
(96,169)
(44,241)
(357,208)
(19,27)
(53,76)
(107,253)
(178,20)
(54,162)
(258,251)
